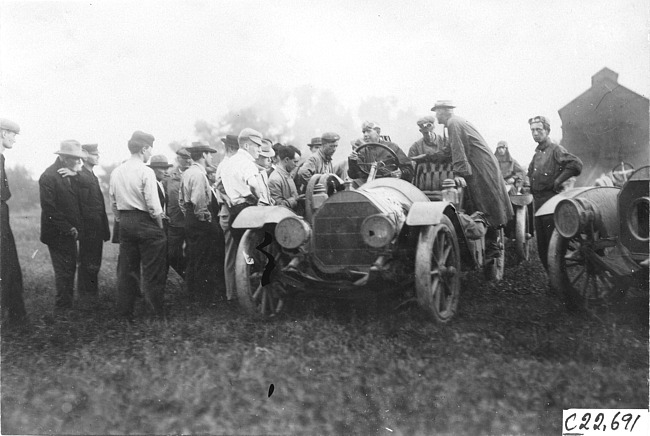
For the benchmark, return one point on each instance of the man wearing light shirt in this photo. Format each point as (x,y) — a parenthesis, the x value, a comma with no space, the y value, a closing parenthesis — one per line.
(195,200)
(240,176)
(135,202)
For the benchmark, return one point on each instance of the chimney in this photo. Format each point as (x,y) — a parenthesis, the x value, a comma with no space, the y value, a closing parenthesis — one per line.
(604,75)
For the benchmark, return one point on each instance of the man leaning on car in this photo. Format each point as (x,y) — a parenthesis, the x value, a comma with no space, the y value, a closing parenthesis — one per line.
(551,166)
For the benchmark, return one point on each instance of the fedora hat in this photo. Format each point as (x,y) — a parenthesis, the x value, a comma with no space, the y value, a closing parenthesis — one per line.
(159,161)
(267,148)
(315,142)
(70,147)
(203,148)
(443,104)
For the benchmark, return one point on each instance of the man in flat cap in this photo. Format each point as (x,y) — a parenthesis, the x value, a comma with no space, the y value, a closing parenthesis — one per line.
(95,226)
(473,160)
(11,276)
(135,202)
(551,166)
(263,163)
(427,153)
(318,163)
(176,228)
(240,177)
(195,200)
(283,188)
(372,134)
(231,145)
(61,219)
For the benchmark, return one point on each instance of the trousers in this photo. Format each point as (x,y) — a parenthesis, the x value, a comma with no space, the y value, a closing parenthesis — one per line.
(202,257)
(143,249)
(175,249)
(64,261)
(90,262)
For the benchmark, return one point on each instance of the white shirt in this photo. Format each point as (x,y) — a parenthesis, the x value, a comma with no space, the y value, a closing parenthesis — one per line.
(133,186)
(238,175)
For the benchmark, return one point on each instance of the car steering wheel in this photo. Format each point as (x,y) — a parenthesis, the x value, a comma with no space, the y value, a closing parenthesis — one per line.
(622,172)
(385,166)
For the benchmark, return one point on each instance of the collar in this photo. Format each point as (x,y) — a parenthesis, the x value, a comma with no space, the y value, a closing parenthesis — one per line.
(244,153)
(282,171)
(322,155)
(199,166)
(543,145)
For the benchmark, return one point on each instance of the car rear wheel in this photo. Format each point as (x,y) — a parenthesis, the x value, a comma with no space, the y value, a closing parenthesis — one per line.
(522,245)
(582,283)
(437,270)
(257,270)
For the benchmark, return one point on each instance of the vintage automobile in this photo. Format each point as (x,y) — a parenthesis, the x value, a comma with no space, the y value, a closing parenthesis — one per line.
(599,248)
(387,234)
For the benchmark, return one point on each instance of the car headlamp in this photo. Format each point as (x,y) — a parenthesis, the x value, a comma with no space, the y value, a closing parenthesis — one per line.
(637,218)
(292,232)
(573,215)
(377,230)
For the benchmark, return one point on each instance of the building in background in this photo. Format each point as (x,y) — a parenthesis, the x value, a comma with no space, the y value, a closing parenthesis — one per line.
(606,125)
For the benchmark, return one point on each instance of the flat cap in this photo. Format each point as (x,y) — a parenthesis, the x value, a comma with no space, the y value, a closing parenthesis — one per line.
(315,142)
(230,140)
(426,120)
(203,148)
(6,124)
(330,137)
(141,139)
(70,147)
(443,104)
(159,161)
(251,134)
(502,144)
(182,152)
(267,148)
(90,148)
(367,125)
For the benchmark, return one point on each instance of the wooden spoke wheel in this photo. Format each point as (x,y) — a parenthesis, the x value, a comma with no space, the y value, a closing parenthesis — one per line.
(437,270)
(257,272)
(581,281)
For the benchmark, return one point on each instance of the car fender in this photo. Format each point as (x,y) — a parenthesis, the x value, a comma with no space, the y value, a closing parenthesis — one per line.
(428,213)
(255,217)
(549,207)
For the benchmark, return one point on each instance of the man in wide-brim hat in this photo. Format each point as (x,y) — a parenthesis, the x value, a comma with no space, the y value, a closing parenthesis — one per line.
(11,277)
(61,221)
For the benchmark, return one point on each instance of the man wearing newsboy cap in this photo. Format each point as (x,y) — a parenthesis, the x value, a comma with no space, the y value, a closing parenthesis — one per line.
(551,166)
(61,221)
(195,200)
(428,153)
(240,177)
(11,276)
(318,163)
(143,244)
(473,160)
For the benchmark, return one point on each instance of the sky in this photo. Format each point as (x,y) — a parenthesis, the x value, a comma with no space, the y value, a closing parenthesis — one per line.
(97,71)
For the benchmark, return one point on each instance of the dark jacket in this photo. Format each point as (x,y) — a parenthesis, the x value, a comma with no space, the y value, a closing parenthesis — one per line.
(93,209)
(60,208)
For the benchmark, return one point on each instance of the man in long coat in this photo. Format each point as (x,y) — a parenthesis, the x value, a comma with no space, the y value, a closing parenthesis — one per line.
(473,160)
(11,277)
(61,222)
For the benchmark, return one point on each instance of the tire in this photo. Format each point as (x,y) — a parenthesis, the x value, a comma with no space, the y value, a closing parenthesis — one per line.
(522,245)
(258,300)
(437,270)
(494,268)
(582,284)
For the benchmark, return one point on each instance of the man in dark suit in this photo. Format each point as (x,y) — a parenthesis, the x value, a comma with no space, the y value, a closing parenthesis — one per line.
(160,166)
(61,222)
(95,225)
(11,277)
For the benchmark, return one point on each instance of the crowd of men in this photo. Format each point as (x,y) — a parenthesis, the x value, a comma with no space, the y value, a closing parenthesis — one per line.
(183,218)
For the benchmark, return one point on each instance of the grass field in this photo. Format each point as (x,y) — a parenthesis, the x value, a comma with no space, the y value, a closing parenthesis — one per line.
(510,361)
